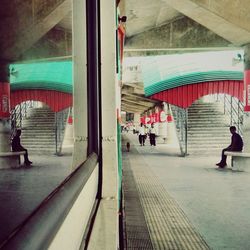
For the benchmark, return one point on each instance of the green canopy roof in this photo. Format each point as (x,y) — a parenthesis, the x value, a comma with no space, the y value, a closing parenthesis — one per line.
(169,71)
(42,75)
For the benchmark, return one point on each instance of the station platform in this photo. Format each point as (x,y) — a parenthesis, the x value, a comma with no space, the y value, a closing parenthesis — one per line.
(170,202)
(173,202)
(22,189)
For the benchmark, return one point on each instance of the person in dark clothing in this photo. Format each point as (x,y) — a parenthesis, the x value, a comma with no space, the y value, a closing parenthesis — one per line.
(17,147)
(236,145)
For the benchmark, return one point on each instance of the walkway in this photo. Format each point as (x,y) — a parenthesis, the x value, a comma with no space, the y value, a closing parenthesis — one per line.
(23,189)
(186,202)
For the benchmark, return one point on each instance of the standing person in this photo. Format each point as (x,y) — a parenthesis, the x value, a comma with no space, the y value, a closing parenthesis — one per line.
(142,134)
(236,145)
(152,132)
(16,147)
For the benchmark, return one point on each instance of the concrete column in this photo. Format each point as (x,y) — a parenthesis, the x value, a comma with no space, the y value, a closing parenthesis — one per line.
(68,140)
(163,124)
(246,127)
(80,82)
(105,230)
(137,119)
(4,109)
(110,97)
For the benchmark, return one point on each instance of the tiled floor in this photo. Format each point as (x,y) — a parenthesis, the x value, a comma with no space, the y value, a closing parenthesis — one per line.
(22,189)
(176,193)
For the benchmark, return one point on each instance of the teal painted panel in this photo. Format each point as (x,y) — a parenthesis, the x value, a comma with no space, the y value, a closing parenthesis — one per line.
(164,72)
(42,75)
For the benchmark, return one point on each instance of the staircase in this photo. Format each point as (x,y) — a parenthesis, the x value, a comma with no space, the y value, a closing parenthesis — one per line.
(38,131)
(208,129)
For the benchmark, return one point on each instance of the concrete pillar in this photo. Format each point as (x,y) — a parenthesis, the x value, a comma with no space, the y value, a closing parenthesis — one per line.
(110,92)
(4,109)
(246,127)
(172,137)
(68,140)
(137,119)
(80,83)
(105,230)
(163,124)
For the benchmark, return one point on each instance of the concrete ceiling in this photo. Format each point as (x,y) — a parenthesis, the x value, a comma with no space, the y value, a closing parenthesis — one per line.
(146,15)
(33,29)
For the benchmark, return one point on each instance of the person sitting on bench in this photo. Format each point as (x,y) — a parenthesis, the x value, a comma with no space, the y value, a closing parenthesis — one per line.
(236,145)
(17,147)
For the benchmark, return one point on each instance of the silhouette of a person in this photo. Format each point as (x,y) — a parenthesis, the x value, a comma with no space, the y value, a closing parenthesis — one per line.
(236,145)
(17,147)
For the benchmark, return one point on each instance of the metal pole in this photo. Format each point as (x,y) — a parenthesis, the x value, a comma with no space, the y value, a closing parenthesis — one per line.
(186,131)
(56,131)
(231,111)
(224,104)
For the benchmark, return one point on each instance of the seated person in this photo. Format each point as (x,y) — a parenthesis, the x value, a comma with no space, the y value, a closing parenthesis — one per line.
(17,147)
(236,145)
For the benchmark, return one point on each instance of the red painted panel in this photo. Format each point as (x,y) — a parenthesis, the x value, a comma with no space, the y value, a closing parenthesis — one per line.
(56,100)
(184,96)
(4,100)
(247,89)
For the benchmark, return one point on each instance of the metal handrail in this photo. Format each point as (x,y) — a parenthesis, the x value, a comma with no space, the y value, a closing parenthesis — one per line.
(40,228)
(235,109)
(60,123)
(181,122)
(18,113)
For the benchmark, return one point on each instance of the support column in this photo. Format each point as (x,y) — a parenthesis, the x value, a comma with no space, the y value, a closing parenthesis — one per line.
(105,231)
(5,144)
(247,77)
(137,119)
(80,83)
(246,127)
(110,98)
(4,109)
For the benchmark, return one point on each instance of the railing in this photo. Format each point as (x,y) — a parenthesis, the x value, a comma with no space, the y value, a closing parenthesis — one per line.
(234,108)
(18,113)
(72,204)
(60,122)
(181,122)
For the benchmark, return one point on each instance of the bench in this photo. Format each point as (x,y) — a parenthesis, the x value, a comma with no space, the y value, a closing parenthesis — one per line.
(240,160)
(10,159)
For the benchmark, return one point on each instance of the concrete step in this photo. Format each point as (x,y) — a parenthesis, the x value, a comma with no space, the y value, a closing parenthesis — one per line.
(39,147)
(41,140)
(42,137)
(205,136)
(224,128)
(39,126)
(208,122)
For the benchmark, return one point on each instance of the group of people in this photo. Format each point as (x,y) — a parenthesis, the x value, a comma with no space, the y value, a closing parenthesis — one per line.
(143,132)
(236,141)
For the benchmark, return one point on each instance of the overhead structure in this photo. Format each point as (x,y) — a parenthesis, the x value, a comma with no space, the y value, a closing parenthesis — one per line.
(33,29)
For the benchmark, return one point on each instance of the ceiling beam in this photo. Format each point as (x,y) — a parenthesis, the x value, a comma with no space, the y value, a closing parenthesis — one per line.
(139,97)
(15,45)
(213,21)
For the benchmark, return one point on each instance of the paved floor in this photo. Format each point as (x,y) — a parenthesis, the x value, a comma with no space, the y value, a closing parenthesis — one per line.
(216,202)
(22,189)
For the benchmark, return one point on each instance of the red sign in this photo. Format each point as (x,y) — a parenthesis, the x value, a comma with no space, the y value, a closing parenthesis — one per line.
(4,100)
(142,120)
(70,120)
(247,90)
(162,116)
(169,118)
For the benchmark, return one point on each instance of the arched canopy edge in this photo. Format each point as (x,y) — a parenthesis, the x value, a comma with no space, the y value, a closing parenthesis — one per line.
(184,96)
(56,100)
